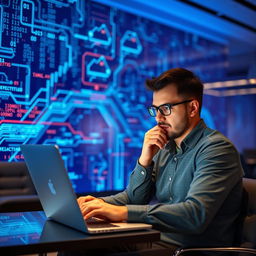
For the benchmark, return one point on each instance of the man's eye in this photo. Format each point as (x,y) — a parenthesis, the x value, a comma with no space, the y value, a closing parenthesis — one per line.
(166,107)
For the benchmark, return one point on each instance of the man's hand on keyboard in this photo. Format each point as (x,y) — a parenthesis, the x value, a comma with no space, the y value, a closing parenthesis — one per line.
(84,199)
(96,207)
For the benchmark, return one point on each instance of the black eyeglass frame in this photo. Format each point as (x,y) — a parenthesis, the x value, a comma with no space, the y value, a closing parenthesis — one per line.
(170,105)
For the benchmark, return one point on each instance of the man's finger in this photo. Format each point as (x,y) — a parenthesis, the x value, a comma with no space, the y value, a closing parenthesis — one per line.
(86,208)
(93,213)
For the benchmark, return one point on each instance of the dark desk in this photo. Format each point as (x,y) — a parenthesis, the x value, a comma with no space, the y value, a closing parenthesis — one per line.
(31,232)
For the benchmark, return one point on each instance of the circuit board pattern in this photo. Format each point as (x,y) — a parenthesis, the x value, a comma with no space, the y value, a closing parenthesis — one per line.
(72,73)
(20,228)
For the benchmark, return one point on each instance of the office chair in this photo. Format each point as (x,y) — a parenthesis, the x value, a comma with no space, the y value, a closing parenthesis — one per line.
(248,236)
(17,192)
(249,158)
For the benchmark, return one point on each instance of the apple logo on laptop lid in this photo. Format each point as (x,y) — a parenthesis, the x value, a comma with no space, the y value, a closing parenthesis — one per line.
(51,187)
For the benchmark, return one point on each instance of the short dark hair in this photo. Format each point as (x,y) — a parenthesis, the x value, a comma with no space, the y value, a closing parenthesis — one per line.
(186,82)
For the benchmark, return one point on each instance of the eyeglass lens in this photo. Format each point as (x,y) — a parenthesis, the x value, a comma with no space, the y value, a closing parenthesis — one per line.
(164,110)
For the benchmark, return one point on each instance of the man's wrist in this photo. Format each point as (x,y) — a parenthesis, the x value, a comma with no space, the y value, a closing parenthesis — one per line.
(125,213)
(145,164)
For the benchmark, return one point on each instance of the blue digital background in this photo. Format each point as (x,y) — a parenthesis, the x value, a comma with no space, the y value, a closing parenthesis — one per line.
(72,73)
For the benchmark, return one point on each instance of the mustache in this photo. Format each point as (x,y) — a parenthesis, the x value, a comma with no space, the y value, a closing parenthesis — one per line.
(162,123)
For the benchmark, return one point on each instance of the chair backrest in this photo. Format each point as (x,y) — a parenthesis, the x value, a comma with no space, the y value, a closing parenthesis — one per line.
(249,226)
(15,179)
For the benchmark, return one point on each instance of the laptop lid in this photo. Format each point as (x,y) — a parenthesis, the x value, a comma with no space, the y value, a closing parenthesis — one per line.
(56,194)
(52,184)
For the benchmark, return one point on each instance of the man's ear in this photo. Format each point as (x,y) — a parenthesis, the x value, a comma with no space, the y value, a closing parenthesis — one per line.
(194,108)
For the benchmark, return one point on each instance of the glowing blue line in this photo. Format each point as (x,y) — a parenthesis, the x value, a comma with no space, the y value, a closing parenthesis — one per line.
(7,81)
(59,26)
(27,84)
(29,102)
(7,50)
(58,3)
(4,49)
(78,9)
(31,108)
(96,40)
(79,36)
(113,24)
(27,80)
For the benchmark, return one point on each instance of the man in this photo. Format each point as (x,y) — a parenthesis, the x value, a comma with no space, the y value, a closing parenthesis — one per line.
(193,172)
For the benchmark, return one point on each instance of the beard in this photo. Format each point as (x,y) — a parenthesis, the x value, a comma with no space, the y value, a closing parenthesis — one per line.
(177,130)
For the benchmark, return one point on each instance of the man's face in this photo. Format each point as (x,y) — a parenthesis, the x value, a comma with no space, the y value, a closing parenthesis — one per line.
(177,123)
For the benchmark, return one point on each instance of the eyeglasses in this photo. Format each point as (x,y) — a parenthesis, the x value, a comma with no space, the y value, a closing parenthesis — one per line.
(165,109)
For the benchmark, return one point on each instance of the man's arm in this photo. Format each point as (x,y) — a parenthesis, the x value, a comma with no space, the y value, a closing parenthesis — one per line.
(140,189)
(218,171)
(141,185)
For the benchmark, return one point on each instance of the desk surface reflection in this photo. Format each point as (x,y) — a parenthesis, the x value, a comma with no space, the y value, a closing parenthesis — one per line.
(31,232)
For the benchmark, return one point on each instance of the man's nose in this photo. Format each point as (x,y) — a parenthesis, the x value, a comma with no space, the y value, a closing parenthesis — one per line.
(159,117)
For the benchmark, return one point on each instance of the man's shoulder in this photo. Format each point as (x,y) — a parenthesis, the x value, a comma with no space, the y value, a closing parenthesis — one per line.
(211,137)
(214,135)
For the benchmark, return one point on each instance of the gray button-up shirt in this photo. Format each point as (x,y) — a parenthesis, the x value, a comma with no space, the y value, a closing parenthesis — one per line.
(198,190)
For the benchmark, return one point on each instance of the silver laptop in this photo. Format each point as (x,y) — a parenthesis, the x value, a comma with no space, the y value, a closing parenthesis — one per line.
(56,194)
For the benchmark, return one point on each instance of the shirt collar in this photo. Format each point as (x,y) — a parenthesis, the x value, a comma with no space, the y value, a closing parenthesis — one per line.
(191,139)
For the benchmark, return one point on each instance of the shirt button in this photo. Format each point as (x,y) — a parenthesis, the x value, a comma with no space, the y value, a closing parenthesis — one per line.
(170,179)
(175,159)
(142,172)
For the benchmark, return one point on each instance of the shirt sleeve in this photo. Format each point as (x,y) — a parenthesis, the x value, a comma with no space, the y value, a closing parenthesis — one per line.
(140,189)
(218,170)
